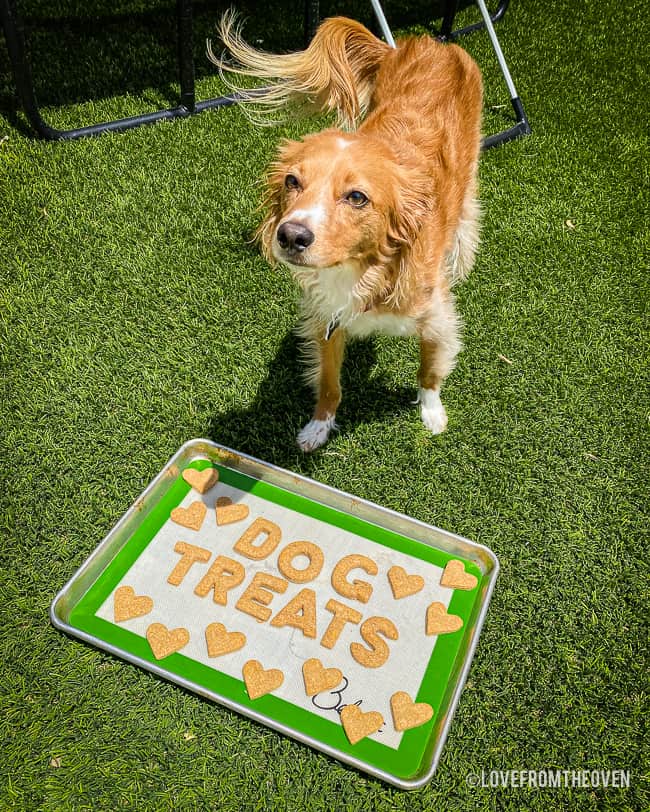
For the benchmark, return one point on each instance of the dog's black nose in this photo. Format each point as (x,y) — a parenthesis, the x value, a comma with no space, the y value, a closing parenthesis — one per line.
(294,237)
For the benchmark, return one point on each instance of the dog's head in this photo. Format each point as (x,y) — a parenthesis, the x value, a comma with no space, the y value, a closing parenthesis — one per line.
(340,199)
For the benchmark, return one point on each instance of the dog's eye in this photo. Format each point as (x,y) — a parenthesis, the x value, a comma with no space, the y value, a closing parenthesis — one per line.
(357,199)
(291,182)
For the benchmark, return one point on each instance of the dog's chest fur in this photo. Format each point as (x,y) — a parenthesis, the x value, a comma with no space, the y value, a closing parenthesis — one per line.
(328,298)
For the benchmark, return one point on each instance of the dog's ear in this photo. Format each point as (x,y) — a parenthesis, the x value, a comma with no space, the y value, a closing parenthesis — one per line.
(271,205)
(411,201)
(271,209)
(413,198)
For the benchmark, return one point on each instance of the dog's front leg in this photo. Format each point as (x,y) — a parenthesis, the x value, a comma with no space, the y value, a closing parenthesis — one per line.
(325,374)
(436,362)
(439,345)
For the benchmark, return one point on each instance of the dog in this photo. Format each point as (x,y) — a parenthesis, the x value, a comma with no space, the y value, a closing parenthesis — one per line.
(378,217)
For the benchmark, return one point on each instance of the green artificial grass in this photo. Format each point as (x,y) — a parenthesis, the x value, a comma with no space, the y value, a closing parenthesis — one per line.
(136,314)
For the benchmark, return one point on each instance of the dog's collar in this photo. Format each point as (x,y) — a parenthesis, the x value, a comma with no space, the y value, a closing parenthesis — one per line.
(334,324)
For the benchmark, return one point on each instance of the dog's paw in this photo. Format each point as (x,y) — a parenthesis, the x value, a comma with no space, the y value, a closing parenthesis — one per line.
(432,411)
(315,434)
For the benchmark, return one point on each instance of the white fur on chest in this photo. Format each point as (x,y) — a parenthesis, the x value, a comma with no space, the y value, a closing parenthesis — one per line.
(387,323)
(328,292)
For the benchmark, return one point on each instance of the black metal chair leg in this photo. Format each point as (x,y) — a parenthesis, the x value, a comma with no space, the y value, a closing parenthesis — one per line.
(448,17)
(522,127)
(449,14)
(312,19)
(186,54)
(21,69)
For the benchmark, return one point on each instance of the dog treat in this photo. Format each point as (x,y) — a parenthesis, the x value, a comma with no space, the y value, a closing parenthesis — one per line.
(407,713)
(201,481)
(260,681)
(310,551)
(356,590)
(228,512)
(220,641)
(318,678)
(260,527)
(224,574)
(358,725)
(342,614)
(439,621)
(164,641)
(455,576)
(403,584)
(191,517)
(190,554)
(378,653)
(127,605)
(300,613)
(255,599)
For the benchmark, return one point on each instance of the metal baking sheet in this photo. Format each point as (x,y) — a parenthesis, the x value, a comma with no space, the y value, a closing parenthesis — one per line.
(273,568)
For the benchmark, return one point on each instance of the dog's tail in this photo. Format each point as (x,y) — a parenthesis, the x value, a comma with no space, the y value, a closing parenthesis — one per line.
(335,73)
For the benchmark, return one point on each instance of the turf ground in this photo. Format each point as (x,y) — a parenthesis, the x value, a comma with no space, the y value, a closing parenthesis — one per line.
(136,315)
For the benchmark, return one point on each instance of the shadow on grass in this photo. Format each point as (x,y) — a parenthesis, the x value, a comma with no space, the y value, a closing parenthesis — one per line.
(91,51)
(88,52)
(268,427)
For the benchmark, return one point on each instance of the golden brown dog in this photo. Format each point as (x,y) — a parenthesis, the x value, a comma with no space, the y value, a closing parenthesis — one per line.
(377,220)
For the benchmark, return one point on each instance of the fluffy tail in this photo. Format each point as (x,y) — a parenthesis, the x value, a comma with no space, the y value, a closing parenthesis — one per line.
(335,73)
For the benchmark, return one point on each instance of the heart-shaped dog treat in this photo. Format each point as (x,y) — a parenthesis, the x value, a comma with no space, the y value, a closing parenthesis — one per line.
(260,681)
(403,584)
(221,641)
(318,678)
(164,641)
(439,621)
(228,512)
(455,576)
(407,713)
(127,605)
(201,481)
(358,725)
(191,517)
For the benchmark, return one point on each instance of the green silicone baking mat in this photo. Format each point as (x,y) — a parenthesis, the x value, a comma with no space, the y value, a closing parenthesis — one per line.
(332,620)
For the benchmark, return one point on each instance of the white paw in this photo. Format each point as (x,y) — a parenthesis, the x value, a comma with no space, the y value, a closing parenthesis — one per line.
(432,411)
(315,434)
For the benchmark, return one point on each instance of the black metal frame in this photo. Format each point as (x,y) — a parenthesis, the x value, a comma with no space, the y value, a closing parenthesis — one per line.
(449,15)
(25,88)
(188,105)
